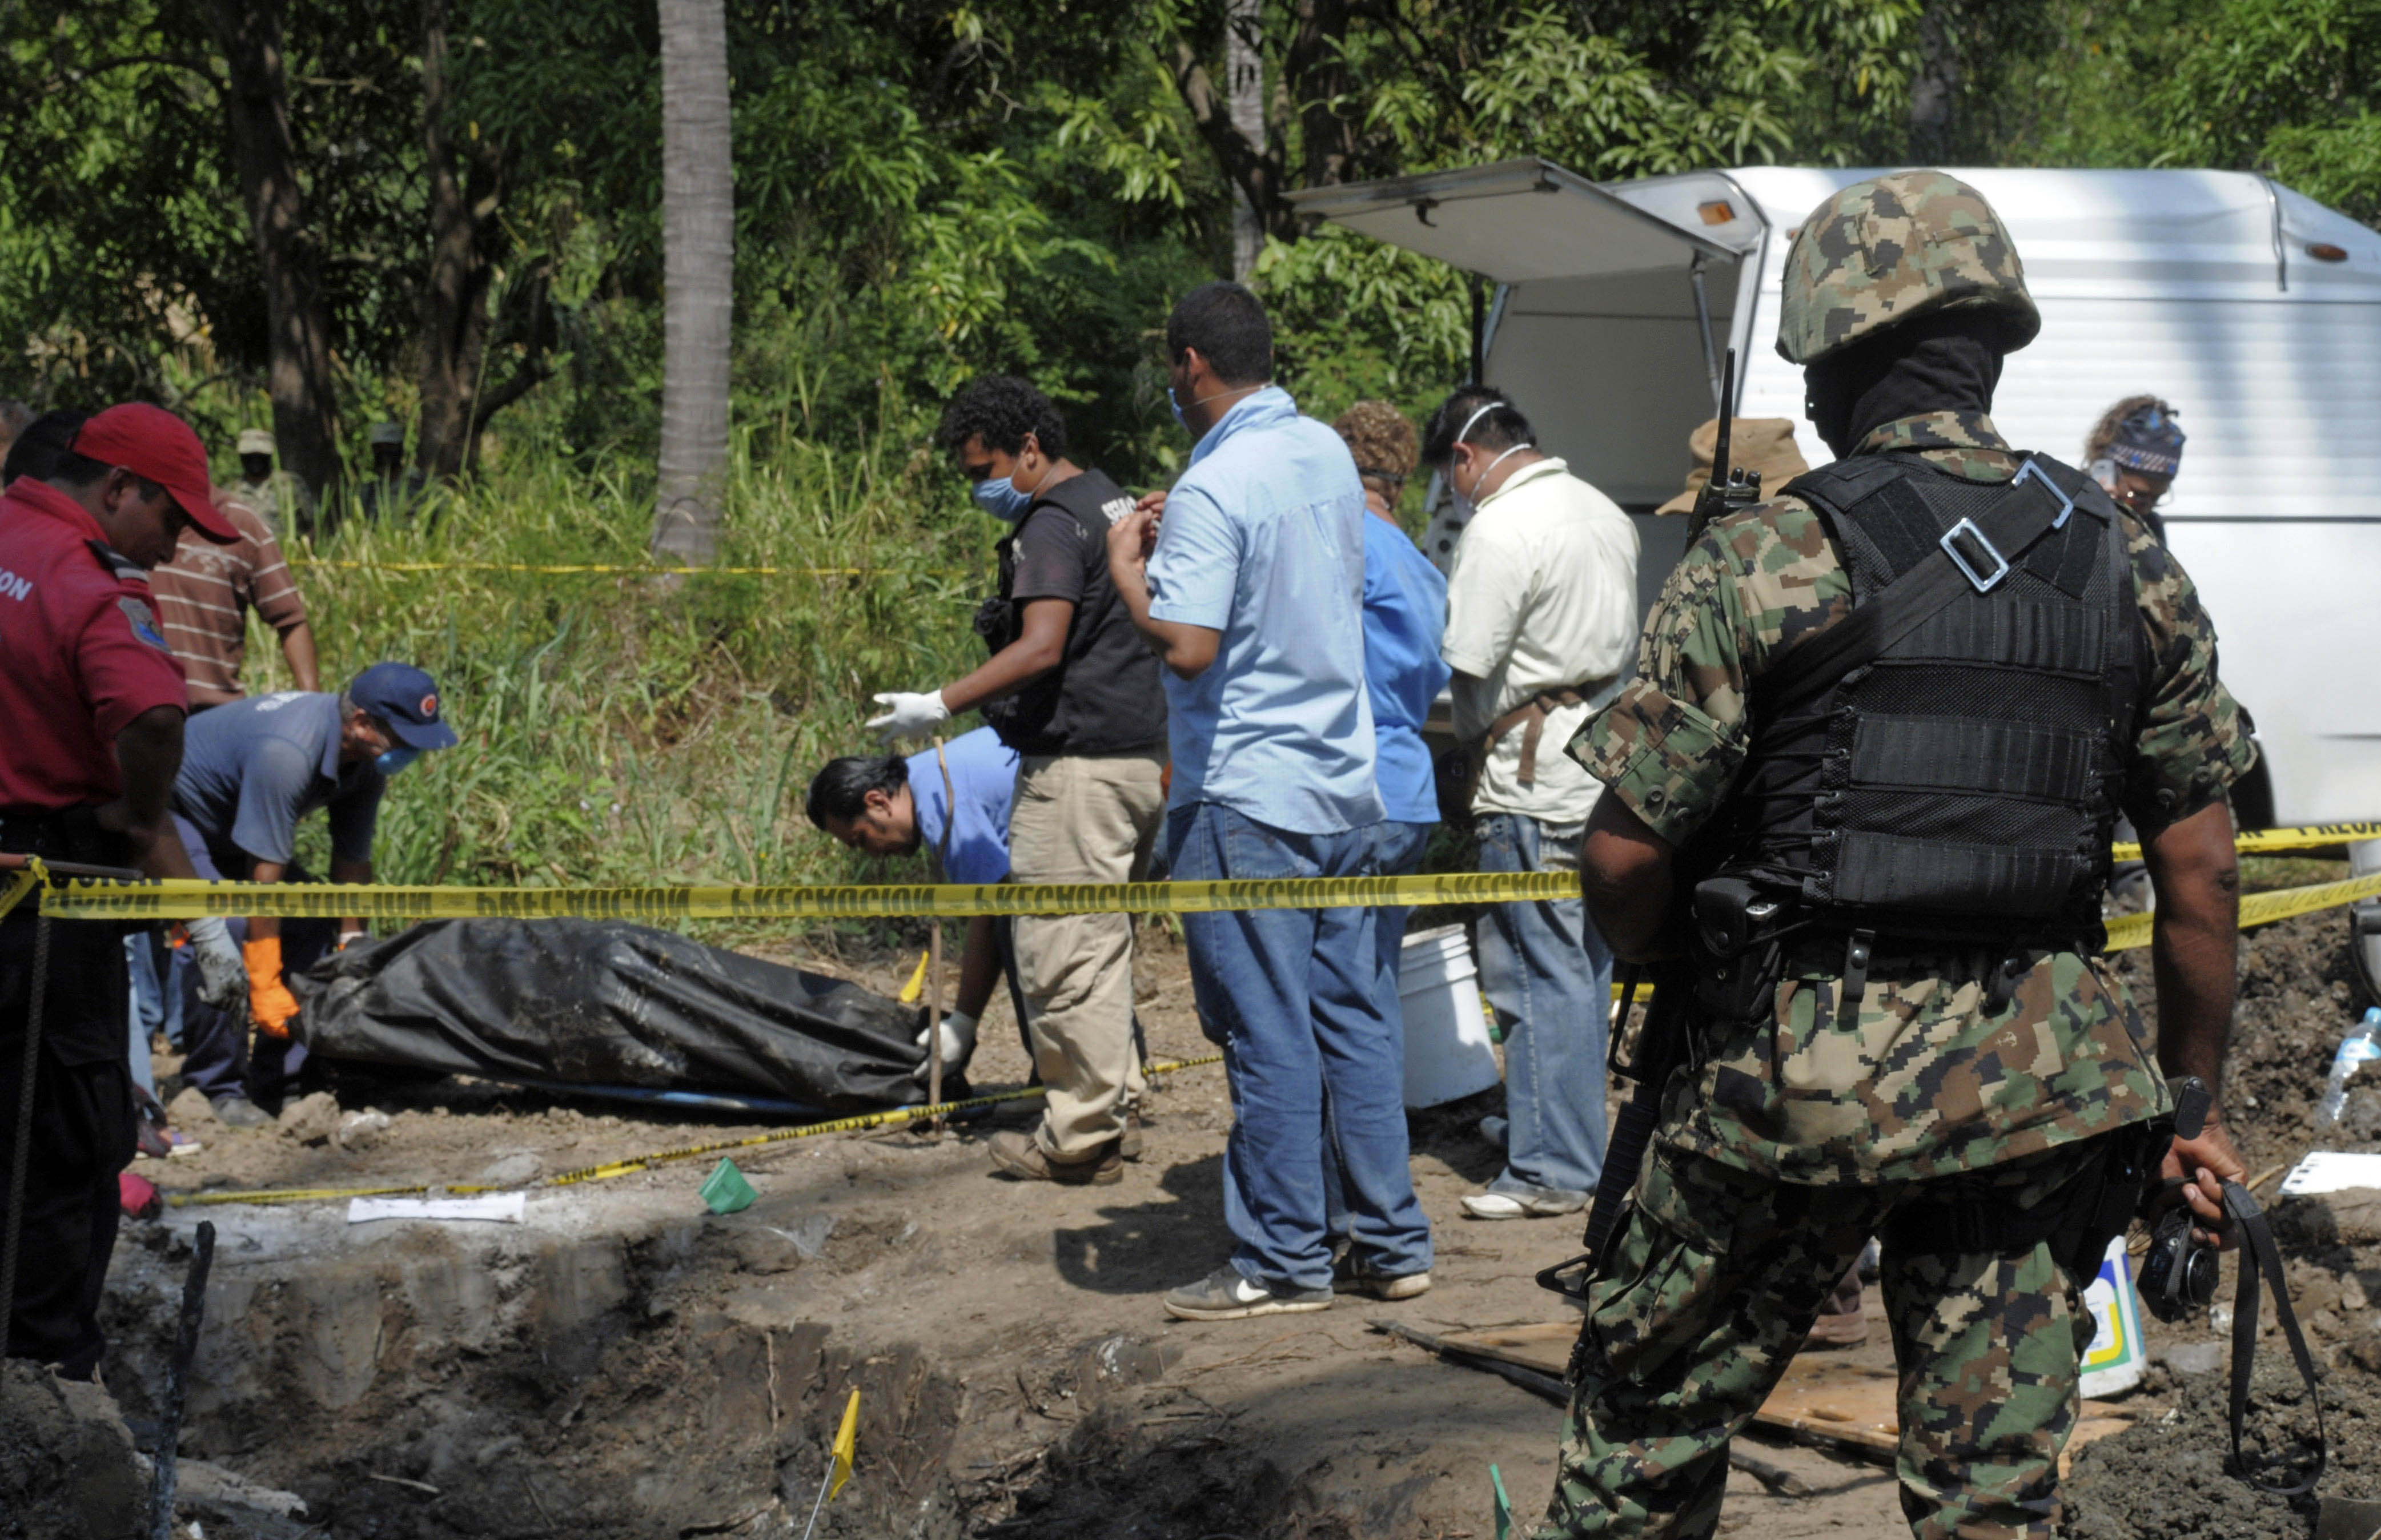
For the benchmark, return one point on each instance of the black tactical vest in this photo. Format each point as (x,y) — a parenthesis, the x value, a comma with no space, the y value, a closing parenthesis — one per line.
(1956,781)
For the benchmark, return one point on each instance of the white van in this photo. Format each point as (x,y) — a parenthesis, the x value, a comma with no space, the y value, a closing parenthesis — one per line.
(2255,311)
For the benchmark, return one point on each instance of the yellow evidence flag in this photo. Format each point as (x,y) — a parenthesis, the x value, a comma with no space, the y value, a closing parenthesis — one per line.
(846,1439)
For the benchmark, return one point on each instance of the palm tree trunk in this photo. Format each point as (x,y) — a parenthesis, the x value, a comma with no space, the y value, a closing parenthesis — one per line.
(698,273)
(1244,85)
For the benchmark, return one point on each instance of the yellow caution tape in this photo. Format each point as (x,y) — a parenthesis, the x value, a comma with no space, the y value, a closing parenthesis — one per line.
(18,886)
(2266,842)
(84,898)
(184,898)
(587,566)
(634,1164)
(2129,931)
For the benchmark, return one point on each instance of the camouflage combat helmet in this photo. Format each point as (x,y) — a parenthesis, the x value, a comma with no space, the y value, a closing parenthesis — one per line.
(1883,251)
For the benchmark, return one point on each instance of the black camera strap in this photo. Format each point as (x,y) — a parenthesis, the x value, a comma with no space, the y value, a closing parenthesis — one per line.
(2259,1254)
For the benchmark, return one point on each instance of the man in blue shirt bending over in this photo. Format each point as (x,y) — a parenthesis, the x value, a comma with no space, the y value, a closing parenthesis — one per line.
(1247,580)
(885,805)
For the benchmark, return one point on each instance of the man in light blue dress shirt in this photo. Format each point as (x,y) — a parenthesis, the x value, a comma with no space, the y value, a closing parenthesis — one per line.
(1247,580)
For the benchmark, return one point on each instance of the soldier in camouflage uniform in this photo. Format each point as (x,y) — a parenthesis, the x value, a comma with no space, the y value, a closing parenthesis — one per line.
(1984,1080)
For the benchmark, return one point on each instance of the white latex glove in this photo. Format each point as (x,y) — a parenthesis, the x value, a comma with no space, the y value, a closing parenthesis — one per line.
(910,716)
(223,977)
(958,1030)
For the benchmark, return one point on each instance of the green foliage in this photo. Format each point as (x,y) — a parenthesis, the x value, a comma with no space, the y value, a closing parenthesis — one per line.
(2339,163)
(926,193)
(630,730)
(2285,85)
(1354,318)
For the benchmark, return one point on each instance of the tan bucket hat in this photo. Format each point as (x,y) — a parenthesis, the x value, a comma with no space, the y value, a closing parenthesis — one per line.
(1763,444)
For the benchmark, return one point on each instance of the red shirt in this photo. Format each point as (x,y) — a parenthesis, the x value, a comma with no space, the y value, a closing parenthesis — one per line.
(82,652)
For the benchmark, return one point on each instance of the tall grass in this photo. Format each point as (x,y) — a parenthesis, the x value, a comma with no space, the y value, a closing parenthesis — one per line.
(625,728)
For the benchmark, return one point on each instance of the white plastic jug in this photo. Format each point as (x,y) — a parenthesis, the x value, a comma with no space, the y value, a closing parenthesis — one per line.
(1447,1051)
(2113,1363)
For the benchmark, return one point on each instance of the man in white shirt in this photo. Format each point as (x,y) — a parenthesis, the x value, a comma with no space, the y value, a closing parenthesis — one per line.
(1541,613)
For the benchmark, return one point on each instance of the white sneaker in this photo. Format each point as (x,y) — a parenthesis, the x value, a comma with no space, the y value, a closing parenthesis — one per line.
(1506,1206)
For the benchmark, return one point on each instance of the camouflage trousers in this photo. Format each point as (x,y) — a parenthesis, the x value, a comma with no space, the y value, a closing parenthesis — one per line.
(1710,1291)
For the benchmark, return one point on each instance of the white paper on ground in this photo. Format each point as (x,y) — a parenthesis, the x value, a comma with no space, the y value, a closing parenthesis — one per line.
(502,1208)
(2331,1171)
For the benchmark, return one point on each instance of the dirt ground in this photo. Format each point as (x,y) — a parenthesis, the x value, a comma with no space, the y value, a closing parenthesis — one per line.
(625,1364)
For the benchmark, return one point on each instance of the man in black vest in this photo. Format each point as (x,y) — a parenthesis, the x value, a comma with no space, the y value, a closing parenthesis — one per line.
(1864,781)
(1073,691)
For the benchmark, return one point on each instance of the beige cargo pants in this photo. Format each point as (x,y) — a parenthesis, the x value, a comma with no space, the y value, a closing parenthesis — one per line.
(1082,818)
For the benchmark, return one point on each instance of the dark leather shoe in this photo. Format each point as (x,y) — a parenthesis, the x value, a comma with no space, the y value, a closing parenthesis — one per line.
(1021,1156)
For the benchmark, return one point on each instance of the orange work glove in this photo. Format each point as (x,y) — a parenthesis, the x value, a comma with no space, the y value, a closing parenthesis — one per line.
(270,1004)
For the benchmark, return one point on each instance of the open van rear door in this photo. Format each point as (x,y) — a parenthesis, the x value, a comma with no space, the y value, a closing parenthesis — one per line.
(1610,317)
(1514,222)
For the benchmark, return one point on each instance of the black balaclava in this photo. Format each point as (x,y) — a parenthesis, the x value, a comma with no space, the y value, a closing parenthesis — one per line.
(1945,362)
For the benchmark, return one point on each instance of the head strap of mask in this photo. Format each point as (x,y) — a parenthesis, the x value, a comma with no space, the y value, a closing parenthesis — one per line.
(1469,423)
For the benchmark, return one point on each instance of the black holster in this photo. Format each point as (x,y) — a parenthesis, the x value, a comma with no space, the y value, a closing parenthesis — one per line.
(2111,1173)
(995,621)
(1738,950)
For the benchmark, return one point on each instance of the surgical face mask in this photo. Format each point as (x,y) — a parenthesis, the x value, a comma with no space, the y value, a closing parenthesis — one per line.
(998,497)
(1176,402)
(1464,505)
(396,759)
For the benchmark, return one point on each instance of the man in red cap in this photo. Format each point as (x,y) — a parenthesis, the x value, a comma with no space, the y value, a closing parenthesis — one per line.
(93,701)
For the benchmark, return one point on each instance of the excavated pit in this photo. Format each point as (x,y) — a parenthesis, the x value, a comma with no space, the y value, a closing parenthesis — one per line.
(613,1366)
(589,1370)
(623,1362)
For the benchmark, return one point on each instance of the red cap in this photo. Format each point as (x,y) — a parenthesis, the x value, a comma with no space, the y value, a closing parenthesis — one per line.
(150,441)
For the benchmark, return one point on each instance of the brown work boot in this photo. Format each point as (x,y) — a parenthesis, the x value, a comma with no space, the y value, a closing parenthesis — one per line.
(1843,1320)
(1838,1331)
(1129,1146)
(1022,1156)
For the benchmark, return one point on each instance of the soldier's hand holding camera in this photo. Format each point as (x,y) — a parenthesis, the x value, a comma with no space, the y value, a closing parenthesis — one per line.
(2201,1165)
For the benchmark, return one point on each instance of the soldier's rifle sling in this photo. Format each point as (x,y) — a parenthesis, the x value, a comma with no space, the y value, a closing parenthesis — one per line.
(1661,1045)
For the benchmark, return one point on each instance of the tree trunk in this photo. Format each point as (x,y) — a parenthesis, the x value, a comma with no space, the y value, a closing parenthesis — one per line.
(698,275)
(1244,87)
(1317,73)
(1247,127)
(1934,93)
(455,298)
(304,404)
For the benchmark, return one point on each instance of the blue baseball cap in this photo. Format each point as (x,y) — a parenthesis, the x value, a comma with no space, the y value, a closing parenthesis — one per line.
(406,698)
(2149,439)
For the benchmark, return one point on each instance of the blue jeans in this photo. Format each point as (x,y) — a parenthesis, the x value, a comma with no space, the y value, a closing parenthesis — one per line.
(1293,996)
(1549,976)
(1397,851)
(156,1006)
(216,1056)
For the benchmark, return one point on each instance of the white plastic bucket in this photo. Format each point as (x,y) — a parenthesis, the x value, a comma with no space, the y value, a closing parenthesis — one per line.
(2112,1364)
(1447,1051)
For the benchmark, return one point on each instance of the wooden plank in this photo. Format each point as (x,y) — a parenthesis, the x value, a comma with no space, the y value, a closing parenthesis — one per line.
(1821,1396)
(1842,1403)
(1543,1348)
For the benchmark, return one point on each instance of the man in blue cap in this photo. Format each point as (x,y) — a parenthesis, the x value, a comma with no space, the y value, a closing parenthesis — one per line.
(251,770)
